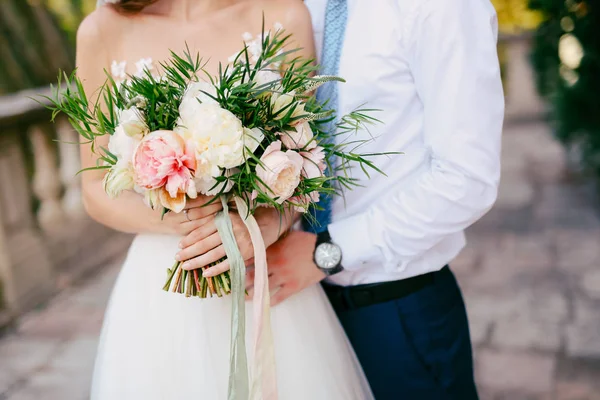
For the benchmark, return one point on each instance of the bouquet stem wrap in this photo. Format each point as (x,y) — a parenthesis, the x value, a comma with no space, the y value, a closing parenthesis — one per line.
(264,383)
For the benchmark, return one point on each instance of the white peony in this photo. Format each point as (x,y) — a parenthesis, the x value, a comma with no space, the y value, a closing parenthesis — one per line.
(132,122)
(219,139)
(266,80)
(122,145)
(209,186)
(194,95)
(201,91)
(121,176)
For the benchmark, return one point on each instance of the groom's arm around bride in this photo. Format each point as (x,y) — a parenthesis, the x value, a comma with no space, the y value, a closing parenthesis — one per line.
(432,68)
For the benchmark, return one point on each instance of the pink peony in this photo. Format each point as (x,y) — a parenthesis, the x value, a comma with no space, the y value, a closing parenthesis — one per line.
(163,161)
(280,172)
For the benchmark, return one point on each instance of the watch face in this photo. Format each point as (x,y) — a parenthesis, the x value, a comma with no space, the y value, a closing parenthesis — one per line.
(328,255)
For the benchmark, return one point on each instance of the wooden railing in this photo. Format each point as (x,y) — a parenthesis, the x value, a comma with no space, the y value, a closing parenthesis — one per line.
(46,239)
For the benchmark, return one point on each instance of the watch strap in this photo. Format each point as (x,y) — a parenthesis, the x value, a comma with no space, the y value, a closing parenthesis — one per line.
(323,237)
(332,271)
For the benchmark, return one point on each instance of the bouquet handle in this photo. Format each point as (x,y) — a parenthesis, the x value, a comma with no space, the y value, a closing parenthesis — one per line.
(264,382)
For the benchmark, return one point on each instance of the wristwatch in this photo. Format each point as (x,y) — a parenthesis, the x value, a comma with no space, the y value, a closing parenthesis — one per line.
(327,255)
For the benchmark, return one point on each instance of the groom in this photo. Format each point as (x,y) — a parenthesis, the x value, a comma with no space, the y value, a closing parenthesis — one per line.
(382,252)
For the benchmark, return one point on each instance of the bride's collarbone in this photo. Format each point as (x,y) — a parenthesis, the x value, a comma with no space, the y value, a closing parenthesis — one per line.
(215,38)
(213,47)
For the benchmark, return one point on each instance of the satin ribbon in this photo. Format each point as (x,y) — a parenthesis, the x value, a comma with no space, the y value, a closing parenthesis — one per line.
(264,381)
(238,364)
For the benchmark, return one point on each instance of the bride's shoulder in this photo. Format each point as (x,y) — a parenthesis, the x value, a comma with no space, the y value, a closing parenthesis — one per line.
(99,26)
(291,10)
(284,6)
(292,14)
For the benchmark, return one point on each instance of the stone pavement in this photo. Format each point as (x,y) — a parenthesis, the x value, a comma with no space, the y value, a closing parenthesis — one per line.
(530,277)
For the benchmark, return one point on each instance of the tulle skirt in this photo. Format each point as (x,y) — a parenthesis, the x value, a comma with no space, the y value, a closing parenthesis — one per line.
(157,345)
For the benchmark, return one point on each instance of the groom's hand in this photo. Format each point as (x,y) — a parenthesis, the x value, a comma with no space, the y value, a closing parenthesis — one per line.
(291,266)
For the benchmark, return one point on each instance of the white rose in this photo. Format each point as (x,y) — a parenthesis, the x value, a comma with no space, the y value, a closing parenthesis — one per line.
(300,138)
(280,172)
(151,198)
(301,203)
(314,163)
(117,179)
(282,103)
(132,122)
(217,135)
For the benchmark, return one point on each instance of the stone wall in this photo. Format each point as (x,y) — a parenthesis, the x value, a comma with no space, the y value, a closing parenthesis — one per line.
(46,239)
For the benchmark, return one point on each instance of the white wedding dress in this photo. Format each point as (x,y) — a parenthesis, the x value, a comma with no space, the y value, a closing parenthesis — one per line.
(162,346)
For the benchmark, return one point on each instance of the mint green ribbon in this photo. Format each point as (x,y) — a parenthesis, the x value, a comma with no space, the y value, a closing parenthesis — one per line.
(238,388)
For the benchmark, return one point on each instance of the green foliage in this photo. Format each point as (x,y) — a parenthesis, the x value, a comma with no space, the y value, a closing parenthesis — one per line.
(572,88)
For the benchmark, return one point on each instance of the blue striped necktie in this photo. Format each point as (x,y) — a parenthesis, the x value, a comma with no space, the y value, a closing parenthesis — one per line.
(336,16)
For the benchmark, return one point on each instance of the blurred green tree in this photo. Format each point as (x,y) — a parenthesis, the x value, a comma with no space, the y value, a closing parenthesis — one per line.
(37,39)
(566,58)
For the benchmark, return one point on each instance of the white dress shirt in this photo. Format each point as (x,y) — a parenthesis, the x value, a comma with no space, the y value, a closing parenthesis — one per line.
(431,66)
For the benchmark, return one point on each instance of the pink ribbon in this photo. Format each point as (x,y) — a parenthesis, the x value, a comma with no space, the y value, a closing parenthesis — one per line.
(263,375)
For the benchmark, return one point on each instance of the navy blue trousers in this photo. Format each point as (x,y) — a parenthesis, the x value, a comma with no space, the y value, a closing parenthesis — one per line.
(417,347)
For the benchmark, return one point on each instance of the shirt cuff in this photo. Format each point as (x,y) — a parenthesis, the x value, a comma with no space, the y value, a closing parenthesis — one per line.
(353,236)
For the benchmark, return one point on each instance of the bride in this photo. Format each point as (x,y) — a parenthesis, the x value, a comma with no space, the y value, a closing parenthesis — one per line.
(158,345)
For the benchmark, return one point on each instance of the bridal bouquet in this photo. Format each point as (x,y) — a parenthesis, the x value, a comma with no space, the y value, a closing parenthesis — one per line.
(254,135)
(253,132)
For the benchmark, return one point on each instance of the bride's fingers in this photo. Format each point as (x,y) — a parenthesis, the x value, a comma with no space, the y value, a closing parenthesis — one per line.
(216,270)
(205,259)
(203,201)
(202,212)
(193,214)
(202,232)
(200,247)
(187,227)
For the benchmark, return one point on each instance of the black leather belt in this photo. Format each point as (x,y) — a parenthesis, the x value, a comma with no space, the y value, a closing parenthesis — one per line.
(345,298)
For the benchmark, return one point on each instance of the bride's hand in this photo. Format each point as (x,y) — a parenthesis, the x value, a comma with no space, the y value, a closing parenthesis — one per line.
(197,213)
(203,246)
